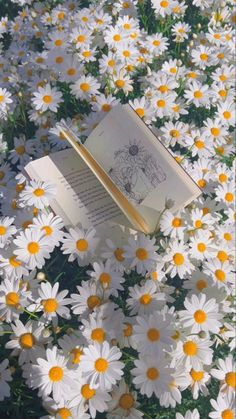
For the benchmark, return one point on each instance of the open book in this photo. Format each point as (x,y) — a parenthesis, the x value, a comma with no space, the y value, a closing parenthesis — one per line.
(122,173)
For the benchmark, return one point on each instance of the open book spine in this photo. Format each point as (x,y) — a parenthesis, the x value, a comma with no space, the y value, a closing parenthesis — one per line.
(126,207)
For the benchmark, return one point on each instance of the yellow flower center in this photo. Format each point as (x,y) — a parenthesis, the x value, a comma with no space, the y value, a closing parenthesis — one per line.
(82,245)
(161,103)
(111,63)
(117,37)
(61,15)
(126,53)
(12,299)
(64,413)
(230,379)
(201,284)
(56,373)
(119,254)
(174,133)
(50,305)
(153,373)
(105,278)
(87,392)
(85,87)
(47,99)
(98,335)
(198,94)
(220,275)
(156,43)
(71,71)
(33,248)
(145,299)
(215,131)
(58,42)
(204,57)
(2,97)
(126,401)
(222,256)
(3,230)
(86,54)
(120,83)
(227,414)
(163,89)
(2,174)
(76,352)
(201,247)
(48,230)
(81,38)
(178,259)
(200,316)
(176,222)
(164,3)
(223,93)
(20,150)
(153,335)
(141,253)
(106,107)
(198,223)
(93,301)
(39,192)
(128,331)
(229,196)
(196,375)
(202,183)
(190,348)
(59,60)
(140,112)
(27,340)
(101,365)
(227,236)
(223,178)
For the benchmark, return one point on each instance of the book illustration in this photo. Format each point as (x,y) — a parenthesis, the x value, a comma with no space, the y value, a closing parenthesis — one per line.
(135,171)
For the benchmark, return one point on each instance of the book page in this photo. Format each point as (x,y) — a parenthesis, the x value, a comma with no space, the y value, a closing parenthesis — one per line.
(139,164)
(80,196)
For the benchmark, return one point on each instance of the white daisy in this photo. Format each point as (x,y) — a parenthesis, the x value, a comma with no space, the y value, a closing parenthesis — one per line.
(93,397)
(52,302)
(142,253)
(224,407)
(188,415)
(226,374)
(85,87)
(107,277)
(13,299)
(37,193)
(193,353)
(47,98)
(124,403)
(51,225)
(50,375)
(80,244)
(145,299)
(90,296)
(177,259)
(7,230)
(100,365)
(33,247)
(151,375)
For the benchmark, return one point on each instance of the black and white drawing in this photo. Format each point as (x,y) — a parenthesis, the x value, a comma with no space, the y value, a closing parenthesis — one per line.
(135,171)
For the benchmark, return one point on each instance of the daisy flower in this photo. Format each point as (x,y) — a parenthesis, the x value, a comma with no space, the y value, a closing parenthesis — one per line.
(7,230)
(85,87)
(92,397)
(96,329)
(53,302)
(27,341)
(201,246)
(51,225)
(226,374)
(177,259)
(151,375)
(142,253)
(33,247)
(46,98)
(203,57)
(80,244)
(215,130)
(180,31)
(89,297)
(64,409)
(100,365)
(224,407)
(163,105)
(193,353)
(225,194)
(201,314)
(197,382)
(72,346)
(122,81)
(115,254)
(11,266)
(221,273)
(173,225)
(145,299)
(197,283)
(13,299)
(50,375)
(5,377)
(197,94)
(123,403)
(107,277)
(37,193)
(115,36)
(22,151)
(5,99)
(153,334)
(163,7)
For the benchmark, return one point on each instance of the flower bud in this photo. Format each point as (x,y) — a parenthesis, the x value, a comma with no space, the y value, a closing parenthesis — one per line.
(202,334)
(41,276)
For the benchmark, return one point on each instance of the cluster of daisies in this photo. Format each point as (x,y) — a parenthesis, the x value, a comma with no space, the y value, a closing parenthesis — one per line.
(141,316)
